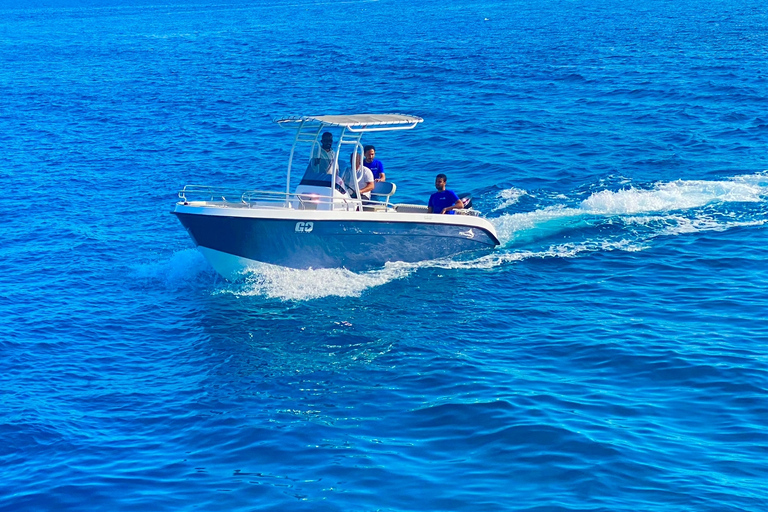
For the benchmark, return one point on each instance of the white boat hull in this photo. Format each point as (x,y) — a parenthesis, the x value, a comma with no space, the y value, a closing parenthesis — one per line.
(232,239)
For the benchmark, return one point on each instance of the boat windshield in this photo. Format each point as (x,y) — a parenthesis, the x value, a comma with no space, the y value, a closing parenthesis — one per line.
(314,179)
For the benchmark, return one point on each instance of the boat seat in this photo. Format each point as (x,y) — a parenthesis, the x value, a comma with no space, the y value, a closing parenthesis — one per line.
(411,208)
(382,191)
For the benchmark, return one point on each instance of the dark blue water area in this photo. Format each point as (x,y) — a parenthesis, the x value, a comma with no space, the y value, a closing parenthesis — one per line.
(610,355)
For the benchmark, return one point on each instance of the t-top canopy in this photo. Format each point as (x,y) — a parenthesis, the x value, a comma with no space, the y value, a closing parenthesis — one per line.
(357,120)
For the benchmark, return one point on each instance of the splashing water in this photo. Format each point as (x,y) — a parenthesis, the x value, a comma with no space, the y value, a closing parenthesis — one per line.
(623,220)
(509,197)
(677,195)
(608,206)
(182,267)
(276,282)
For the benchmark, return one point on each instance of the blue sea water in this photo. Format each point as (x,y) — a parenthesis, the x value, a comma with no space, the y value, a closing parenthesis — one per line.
(609,356)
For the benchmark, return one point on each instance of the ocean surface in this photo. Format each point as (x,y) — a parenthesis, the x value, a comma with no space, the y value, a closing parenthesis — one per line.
(610,355)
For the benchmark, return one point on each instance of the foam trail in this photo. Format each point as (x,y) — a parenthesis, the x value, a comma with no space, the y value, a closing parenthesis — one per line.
(676,195)
(679,225)
(663,197)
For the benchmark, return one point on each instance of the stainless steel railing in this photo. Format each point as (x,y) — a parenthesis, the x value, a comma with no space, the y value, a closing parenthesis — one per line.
(239,198)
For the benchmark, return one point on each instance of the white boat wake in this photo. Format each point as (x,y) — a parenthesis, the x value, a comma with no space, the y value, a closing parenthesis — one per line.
(624,220)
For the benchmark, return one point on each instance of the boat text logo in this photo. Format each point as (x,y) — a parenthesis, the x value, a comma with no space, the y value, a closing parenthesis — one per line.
(468,234)
(304,227)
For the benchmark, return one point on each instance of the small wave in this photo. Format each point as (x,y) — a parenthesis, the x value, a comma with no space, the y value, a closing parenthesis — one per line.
(509,197)
(538,223)
(182,267)
(284,283)
(677,195)
(564,250)
(684,226)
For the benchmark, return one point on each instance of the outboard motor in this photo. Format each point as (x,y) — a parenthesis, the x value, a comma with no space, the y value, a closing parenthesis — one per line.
(466,199)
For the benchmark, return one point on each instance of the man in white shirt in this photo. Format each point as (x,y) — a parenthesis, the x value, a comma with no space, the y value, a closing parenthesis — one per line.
(363,175)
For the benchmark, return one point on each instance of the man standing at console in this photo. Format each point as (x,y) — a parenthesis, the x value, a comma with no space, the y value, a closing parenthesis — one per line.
(444,201)
(324,157)
(374,164)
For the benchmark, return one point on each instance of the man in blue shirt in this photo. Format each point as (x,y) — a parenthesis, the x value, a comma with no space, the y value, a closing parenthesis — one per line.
(444,201)
(374,164)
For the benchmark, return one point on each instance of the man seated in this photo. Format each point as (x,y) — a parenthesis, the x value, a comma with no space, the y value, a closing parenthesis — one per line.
(362,174)
(444,201)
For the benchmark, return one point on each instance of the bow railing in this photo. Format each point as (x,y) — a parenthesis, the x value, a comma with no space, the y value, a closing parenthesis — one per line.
(201,195)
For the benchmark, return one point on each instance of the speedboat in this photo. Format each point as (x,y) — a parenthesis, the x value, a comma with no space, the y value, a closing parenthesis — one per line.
(323,222)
